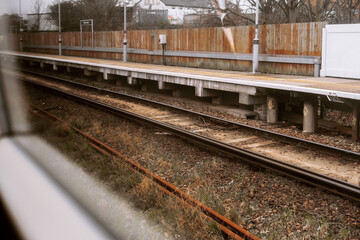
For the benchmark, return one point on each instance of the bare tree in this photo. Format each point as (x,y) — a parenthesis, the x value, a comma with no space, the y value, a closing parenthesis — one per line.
(270,11)
(320,10)
(106,12)
(38,8)
(290,9)
(347,11)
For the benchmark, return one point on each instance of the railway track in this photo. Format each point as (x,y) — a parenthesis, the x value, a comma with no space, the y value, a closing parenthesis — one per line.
(306,144)
(333,162)
(336,186)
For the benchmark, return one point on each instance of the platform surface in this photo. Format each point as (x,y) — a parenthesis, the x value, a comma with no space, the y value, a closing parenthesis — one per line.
(340,87)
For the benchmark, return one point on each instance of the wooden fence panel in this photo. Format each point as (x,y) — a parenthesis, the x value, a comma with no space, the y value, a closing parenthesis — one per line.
(302,39)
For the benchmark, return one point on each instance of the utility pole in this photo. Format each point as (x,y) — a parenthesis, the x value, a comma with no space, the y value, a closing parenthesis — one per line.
(256,40)
(125,42)
(21,28)
(59,10)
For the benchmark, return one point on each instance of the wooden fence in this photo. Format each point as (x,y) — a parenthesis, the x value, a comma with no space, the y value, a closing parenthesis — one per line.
(301,39)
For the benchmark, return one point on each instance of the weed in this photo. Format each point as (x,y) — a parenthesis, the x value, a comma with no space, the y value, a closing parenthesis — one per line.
(81,123)
(344,233)
(214,227)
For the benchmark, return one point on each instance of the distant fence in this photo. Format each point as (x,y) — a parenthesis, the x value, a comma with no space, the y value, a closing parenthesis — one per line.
(293,46)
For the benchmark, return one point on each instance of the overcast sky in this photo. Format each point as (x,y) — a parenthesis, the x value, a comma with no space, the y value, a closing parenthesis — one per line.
(27,6)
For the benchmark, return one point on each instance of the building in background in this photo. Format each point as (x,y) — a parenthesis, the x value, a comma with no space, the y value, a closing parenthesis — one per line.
(176,9)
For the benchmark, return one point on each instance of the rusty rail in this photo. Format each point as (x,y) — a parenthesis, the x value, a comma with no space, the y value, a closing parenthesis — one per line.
(228,227)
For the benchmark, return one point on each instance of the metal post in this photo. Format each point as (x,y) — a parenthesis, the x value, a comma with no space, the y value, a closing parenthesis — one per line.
(163,52)
(92,33)
(256,40)
(59,9)
(81,34)
(21,27)
(125,41)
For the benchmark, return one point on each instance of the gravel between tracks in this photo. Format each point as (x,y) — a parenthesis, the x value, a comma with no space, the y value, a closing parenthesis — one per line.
(324,137)
(330,165)
(268,205)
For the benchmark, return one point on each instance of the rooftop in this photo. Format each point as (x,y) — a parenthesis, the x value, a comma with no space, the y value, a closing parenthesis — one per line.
(188,3)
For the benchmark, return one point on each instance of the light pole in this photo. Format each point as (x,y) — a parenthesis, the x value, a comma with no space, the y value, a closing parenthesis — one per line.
(59,10)
(21,28)
(125,42)
(256,40)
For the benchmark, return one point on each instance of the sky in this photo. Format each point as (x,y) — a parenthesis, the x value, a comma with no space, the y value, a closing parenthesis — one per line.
(27,6)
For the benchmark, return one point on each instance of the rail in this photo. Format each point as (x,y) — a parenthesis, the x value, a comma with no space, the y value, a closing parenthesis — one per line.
(332,185)
(286,138)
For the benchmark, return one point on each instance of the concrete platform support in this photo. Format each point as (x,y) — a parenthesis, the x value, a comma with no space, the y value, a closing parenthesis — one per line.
(55,68)
(42,65)
(164,86)
(310,117)
(272,109)
(132,81)
(101,76)
(105,76)
(355,122)
(68,69)
(203,92)
(247,99)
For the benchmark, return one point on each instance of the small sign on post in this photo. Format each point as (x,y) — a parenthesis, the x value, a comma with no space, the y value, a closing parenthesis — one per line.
(162,41)
(87,22)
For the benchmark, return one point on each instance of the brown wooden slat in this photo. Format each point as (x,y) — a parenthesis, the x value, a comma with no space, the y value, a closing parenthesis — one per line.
(285,39)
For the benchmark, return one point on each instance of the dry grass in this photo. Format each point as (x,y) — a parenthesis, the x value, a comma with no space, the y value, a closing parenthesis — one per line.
(260,201)
(176,217)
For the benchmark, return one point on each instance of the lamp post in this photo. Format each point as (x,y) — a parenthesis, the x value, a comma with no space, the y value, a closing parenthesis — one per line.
(21,27)
(256,40)
(125,42)
(59,10)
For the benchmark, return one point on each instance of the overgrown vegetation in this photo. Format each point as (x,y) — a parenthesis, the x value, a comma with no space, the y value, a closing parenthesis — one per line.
(266,204)
(108,15)
(176,217)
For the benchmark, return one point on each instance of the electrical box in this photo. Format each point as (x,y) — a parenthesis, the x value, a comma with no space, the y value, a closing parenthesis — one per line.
(162,39)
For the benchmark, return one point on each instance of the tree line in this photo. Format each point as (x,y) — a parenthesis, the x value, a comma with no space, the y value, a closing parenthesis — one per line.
(287,11)
(108,15)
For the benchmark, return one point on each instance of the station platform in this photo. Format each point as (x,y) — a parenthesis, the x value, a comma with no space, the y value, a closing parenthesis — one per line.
(259,90)
(340,87)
